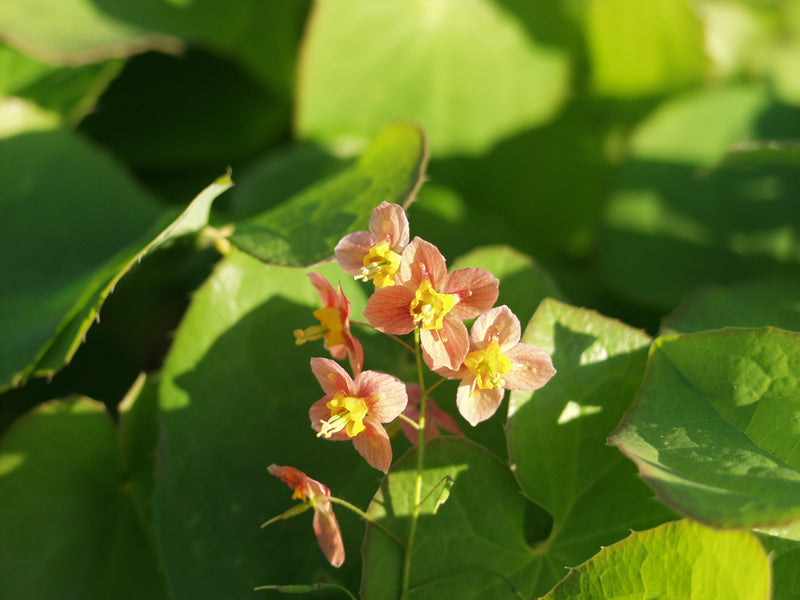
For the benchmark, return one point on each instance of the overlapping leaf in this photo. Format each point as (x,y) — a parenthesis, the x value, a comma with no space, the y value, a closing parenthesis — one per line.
(75,497)
(714,428)
(305,229)
(87,215)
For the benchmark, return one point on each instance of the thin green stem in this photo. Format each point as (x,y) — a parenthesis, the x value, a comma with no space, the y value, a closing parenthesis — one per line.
(366,517)
(415,506)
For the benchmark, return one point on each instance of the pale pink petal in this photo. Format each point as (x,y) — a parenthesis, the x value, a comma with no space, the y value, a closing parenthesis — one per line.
(421,260)
(374,445)
(339,351)
(531,368)
(331,376)
(444,370)
(385,395)
(355,353)
(477,290)
(480,406)
(351,250)
(448,346)
(498,323)
(324,290)
(329,536)
(389,222)
(388,310)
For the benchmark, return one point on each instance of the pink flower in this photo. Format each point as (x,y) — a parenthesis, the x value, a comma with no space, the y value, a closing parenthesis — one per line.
(375,254)
(496,362)
(326,527)
(355,409)
(435,417)
(334,318)
(425,296)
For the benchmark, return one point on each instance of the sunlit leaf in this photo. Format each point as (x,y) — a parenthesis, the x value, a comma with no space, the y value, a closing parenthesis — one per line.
(469,72)
(714,427)
(305,229)
(676,560)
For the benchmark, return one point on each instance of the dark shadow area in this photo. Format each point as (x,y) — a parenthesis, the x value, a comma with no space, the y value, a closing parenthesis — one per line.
(247,408)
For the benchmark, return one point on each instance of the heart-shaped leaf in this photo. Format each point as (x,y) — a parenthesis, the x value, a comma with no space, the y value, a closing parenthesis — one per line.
(470,73)
(557,435)
(713,430)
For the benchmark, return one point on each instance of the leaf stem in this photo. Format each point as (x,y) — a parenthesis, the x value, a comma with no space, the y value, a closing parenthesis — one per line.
(366,517)
(415,506)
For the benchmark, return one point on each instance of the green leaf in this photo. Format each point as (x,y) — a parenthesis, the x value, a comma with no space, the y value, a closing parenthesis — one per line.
(75,498)
(35,95)
(676,560)
(643,49)
(67,264)
(755,303)
(171,129)
(557,435)
(473,547)
(680,219)
(306,228)
(783,546)
(235,394)
(470,73)
(81,31)
(713,430)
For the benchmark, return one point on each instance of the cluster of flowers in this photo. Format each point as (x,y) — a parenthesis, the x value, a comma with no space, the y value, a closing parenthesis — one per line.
(413,290)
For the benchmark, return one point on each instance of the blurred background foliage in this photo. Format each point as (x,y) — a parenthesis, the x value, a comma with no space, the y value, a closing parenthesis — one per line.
(637,152)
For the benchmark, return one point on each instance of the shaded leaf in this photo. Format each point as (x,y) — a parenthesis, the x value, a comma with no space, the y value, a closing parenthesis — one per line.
(75,498)
(65,265)
(557,435)
(755,303)
(235,394)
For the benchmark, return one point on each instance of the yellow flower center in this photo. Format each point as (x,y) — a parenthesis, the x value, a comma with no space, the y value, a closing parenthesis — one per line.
(346,413)
(380,264)
(330,328)
(489,366)
(429,307)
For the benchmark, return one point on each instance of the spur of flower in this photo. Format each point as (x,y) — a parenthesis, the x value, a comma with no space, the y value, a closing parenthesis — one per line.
(334,324)
(375,254)
(435,417)
(425,296)
(355,409)
(496,361)
(317,496)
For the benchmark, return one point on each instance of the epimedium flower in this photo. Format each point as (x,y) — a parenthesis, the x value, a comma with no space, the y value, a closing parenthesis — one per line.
(334,327)
(375,254)
(426,296)
(435,417)
(317,496)
(496,361)
(355,409)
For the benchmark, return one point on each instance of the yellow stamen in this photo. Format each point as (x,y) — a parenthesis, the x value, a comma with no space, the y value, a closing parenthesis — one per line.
(380,264)
(489,366)
(429,307)
(330,327)
(346,413)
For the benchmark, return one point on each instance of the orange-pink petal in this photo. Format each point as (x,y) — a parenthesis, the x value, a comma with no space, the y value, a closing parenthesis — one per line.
(374,445)
(498,324)
(332,377)
(388,310)
(477,405)
(531,368)
(351,250)
(388,222)
(445,347)
(477,290)
(421,260)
